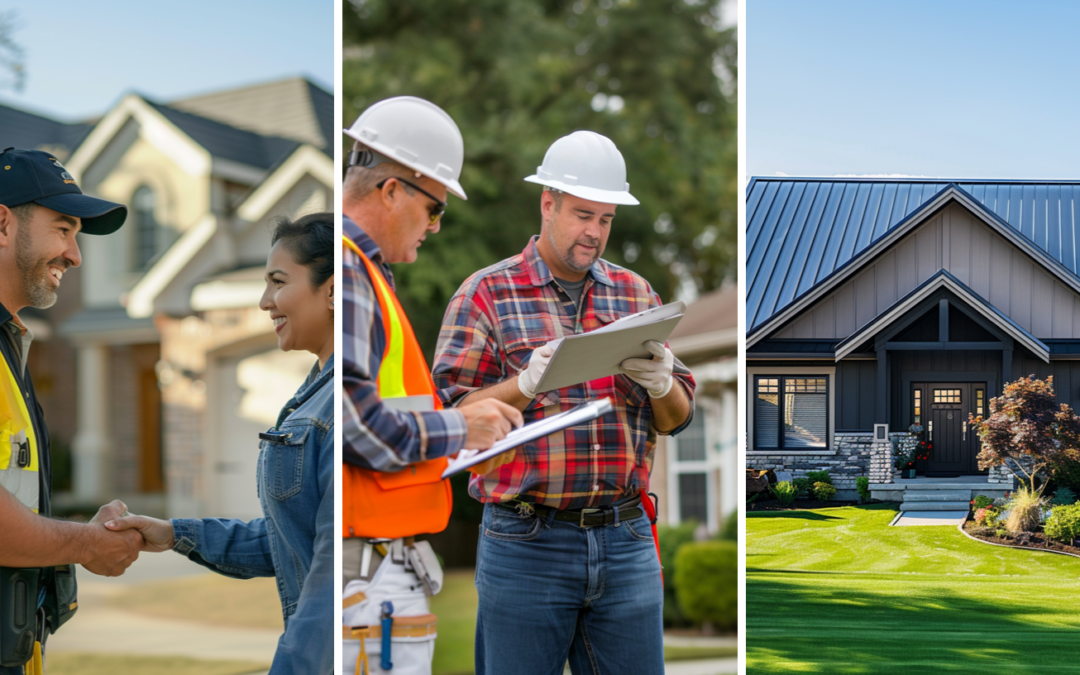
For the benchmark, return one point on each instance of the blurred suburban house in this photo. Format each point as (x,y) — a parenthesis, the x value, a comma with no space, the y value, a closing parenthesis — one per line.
(694,474)
(156,368)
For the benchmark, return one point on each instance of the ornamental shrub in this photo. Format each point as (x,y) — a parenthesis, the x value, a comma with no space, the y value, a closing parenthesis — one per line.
(1064,524)
(802,486)
(824,491)
(981,502)
(862,484)
(1063,497)
(1025,514)
(731,527)
(818,477)
(706,581)
(785,492)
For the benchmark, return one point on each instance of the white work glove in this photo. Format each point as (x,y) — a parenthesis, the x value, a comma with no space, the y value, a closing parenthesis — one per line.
(654,374)
(538,363)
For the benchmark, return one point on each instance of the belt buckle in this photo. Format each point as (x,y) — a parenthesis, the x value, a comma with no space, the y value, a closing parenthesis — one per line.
(585,512)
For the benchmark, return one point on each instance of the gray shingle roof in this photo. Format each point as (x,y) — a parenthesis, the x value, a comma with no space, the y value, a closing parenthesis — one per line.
(222,140)
(22,129)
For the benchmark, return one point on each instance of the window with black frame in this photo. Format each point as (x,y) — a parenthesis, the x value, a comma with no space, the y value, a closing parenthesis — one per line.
(791,412)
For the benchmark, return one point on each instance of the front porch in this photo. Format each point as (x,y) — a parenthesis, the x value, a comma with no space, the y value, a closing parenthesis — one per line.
(926,493)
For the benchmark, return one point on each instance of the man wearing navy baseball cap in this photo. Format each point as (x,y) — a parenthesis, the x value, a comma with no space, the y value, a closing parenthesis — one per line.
(41,211)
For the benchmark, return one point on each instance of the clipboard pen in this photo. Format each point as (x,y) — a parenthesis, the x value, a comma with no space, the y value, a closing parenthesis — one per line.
(580,414)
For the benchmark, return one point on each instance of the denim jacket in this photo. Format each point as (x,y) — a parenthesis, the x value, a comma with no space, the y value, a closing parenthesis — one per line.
(294,541)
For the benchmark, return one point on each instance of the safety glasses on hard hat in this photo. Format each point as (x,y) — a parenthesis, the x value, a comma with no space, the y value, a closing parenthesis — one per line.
(436,210)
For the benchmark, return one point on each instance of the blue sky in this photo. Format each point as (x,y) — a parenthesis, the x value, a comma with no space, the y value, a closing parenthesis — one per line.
(957,88)
(81,57)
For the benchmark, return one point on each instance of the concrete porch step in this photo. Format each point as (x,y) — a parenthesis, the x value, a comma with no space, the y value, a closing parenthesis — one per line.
(920,495)
(935,506)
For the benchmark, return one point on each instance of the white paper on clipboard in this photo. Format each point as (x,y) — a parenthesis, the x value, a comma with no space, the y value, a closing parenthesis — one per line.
(586,412)
(590,356)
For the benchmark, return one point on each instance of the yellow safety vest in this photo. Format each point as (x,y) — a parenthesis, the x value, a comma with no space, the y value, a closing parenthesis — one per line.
(19,472)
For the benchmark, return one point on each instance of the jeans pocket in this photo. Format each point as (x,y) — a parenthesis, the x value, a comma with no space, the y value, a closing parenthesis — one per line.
(640,528)
(282,461)
(509,526)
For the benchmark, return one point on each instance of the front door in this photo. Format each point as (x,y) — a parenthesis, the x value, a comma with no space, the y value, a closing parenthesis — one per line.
(945,407)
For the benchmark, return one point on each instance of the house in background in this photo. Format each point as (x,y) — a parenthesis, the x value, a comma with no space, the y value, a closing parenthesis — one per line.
(889,302)
(175,369)
(695,474)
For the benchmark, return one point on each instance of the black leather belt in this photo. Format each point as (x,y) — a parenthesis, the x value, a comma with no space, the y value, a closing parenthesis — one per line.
(628,509)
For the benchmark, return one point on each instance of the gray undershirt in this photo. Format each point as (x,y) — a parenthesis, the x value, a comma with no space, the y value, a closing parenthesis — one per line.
(573,288)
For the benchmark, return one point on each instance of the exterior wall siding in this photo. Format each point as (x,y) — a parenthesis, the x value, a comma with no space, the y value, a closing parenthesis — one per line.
(957,241)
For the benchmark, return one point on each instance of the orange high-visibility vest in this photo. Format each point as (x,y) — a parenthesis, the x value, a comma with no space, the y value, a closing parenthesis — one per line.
(416,500)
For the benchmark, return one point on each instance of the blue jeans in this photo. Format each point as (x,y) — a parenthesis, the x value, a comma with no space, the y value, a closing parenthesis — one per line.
(551,591)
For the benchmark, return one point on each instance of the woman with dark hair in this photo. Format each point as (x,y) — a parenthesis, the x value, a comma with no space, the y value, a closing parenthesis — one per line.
(294,541)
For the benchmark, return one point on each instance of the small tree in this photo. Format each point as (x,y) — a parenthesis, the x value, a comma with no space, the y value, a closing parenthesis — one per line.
(1027,431)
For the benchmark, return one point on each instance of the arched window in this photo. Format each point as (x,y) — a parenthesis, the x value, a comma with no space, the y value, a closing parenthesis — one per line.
(146,228)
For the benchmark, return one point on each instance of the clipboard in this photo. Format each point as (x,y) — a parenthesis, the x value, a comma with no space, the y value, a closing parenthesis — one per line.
(596,354)
(586,412)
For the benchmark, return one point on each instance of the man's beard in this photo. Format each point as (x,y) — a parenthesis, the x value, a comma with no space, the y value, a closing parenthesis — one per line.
(35,272)
(568,254)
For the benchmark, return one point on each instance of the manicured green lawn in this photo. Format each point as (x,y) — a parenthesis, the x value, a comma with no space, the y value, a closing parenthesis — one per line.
(838,591)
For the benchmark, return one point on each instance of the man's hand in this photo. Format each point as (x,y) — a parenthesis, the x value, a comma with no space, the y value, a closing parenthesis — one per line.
(488,421)
(494,463)
(113,509)
(156,535)
(110,553)
(653,374)
(528,379)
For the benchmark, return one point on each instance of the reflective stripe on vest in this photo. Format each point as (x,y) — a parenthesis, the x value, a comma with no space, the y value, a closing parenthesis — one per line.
(18,443)
(404,371)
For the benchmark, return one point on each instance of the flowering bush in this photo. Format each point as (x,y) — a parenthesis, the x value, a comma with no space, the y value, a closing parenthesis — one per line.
(980,516)
(922,450)
(981,501)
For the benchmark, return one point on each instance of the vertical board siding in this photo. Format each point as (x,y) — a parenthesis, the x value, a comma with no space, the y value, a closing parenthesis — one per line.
(982,259)
(856,391)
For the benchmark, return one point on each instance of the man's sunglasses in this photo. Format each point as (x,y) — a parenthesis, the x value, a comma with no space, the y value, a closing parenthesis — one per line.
(436,210)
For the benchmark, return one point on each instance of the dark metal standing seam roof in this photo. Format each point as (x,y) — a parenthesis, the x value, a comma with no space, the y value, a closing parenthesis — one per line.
(801,230)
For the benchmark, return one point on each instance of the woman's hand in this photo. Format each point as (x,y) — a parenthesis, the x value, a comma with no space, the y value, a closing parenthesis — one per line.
(157,534)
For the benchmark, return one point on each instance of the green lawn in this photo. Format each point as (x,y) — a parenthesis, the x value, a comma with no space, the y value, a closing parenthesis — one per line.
(838,591)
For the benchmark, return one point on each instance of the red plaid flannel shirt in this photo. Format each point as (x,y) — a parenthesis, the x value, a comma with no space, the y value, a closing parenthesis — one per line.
(494,321)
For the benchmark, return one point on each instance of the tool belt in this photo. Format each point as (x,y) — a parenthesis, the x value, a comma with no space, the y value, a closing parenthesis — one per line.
(613,514)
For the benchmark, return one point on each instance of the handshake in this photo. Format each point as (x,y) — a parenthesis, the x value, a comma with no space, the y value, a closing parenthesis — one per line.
(115,538)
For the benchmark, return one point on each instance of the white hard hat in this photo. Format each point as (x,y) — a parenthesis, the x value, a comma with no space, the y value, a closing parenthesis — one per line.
(417,134)
(587,165)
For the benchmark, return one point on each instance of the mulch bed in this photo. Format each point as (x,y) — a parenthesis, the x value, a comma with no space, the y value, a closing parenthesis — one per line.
(799,505)
(1036,541)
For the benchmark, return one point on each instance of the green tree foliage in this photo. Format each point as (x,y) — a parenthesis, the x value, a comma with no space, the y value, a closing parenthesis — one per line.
(656,76)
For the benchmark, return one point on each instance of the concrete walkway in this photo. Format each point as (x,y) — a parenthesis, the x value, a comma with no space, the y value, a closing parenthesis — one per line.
(100,628)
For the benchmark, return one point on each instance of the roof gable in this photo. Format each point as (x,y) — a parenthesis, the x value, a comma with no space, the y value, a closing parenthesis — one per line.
(804,236)
(943,280)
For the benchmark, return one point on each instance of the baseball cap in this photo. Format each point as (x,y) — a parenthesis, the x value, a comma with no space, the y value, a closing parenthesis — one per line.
(36,176)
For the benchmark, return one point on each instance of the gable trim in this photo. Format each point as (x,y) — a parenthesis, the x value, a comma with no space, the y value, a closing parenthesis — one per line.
(305,160)
(942,279)
(952,193)
(153,128)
